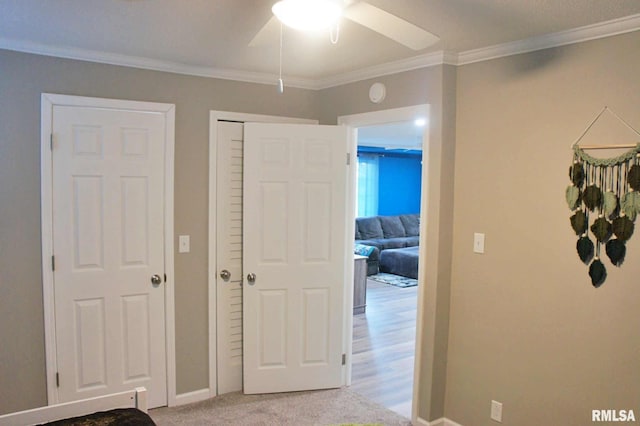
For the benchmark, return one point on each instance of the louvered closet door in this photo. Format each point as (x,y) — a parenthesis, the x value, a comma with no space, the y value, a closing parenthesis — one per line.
(229,255)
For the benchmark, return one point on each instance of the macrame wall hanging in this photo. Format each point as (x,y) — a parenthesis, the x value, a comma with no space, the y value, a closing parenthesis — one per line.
(604,197)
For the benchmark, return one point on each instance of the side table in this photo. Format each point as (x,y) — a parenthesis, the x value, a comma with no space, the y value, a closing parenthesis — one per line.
(359,284)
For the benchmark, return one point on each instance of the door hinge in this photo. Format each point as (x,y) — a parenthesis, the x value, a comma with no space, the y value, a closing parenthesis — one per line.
(348,158)
(51,141)
(57,380)
(344,359)
(165,278)
(53,263)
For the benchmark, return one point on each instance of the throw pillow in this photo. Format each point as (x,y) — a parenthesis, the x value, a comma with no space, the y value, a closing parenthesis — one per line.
(363,250)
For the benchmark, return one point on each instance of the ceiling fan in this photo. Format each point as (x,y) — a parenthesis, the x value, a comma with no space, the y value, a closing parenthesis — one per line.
(361,12)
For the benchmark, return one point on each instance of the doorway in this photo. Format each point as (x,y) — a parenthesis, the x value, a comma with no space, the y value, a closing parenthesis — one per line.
(107,265)
(388,188)
(359,120)
(226,146)
(364,369)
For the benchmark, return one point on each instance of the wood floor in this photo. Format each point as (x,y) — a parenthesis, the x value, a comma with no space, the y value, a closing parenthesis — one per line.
(384,346)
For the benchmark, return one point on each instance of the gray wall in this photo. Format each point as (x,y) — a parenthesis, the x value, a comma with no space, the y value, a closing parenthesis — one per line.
(23,77)
(520,324)
(26,76)
(527,328)
(435,86)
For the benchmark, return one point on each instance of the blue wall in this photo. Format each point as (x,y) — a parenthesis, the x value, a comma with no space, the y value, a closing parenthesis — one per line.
(400,180)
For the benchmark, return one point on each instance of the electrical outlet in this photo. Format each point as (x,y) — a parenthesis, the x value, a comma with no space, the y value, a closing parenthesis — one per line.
(496,411)
(478,243)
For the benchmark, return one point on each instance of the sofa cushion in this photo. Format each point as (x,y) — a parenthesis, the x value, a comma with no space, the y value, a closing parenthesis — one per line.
(412,241)
(411,224)
(392,227)
(369,227)
(393,243)
(400,262)
(386,243)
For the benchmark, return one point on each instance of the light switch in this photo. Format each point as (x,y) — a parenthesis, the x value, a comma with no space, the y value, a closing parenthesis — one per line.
(184,244)
(478,243)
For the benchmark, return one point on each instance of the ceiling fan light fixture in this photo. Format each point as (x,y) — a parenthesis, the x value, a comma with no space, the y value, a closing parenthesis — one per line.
(307,15)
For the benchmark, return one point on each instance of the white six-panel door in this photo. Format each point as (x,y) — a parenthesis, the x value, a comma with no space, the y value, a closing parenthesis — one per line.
(294,243)
(108,241)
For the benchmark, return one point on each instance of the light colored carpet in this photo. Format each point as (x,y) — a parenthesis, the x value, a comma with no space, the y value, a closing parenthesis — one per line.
(325,407)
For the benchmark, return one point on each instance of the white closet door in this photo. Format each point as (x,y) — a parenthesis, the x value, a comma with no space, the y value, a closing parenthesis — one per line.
(108,240)
(294,245)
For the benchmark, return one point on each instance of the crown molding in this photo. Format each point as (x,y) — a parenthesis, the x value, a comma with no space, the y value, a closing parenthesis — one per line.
(577,35)
(408,64)
(150,64)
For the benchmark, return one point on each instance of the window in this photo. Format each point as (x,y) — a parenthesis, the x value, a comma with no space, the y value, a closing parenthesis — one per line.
(367,199)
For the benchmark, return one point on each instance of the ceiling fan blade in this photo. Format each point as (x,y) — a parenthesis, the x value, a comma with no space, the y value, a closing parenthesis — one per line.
(390,26)
(268,34)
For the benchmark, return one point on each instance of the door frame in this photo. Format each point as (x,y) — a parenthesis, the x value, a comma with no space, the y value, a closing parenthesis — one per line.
(378,118)
(214,117)
(47,102)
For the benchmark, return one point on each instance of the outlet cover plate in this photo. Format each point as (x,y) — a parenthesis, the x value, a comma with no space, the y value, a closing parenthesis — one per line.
(478,243)
(496,411)
(184,244)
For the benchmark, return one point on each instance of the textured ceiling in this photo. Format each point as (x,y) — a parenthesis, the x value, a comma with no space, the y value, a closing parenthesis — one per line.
(214,34)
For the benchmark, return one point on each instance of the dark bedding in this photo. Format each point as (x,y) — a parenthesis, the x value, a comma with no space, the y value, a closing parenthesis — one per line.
(120,417)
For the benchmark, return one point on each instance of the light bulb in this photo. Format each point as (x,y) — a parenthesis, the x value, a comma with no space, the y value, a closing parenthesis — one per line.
(307,15)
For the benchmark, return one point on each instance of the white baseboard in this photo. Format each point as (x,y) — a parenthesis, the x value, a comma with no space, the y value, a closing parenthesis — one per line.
(195,396)
(443,421)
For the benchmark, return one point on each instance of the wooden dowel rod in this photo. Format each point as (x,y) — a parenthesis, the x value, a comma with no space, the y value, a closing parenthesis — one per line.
(628,146)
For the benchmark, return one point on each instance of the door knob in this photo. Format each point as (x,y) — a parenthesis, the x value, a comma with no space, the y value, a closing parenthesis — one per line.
(251,278)
(225,275)
(156,280)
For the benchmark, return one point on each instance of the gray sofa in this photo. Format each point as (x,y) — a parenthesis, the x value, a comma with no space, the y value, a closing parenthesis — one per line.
(386,232)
